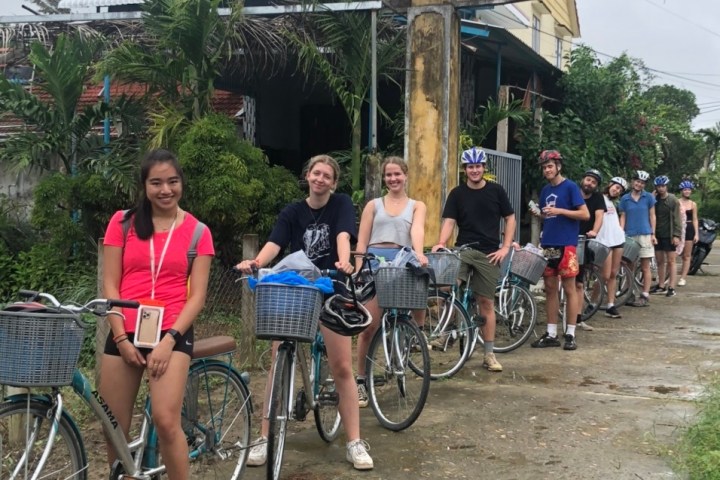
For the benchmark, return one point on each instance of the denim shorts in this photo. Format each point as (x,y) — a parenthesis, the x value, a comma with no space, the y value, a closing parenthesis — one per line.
(388,254)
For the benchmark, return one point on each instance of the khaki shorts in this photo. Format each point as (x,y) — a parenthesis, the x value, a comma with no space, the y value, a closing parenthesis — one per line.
(485,274)
(647,249)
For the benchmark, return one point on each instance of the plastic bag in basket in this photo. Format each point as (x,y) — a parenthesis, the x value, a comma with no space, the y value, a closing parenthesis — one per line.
(324,284)
(299,263)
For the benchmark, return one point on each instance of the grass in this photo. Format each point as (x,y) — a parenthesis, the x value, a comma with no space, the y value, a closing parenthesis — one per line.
(698,451)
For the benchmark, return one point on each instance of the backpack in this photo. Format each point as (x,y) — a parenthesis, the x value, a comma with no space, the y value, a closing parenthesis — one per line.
(192,249)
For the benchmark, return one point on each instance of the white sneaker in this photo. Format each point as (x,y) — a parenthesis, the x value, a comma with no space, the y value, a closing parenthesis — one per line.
(681,282)
(357,454)
(258,453)
(585,326)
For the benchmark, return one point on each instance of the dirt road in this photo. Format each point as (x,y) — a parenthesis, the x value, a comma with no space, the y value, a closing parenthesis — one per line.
(605,411)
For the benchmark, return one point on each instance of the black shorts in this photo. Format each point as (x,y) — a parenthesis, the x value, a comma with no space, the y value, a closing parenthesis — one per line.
(664,245)
(689,232)
(184,344)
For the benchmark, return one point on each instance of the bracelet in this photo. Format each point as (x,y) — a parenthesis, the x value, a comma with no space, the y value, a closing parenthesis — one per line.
(119,338)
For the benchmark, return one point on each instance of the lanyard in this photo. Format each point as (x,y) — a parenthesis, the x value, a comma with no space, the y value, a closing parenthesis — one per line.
(153,273)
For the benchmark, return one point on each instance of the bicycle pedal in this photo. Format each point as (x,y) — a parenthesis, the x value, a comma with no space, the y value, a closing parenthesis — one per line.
(329,399)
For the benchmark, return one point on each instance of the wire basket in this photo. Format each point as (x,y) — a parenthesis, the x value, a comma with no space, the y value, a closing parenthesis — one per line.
(446,266)
(528,266)
(580,249)
(597,252)
(39,349)
(398,287)
(631,250)
(287,312)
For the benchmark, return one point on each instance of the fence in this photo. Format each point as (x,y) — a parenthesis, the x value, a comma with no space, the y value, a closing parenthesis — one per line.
(507,169)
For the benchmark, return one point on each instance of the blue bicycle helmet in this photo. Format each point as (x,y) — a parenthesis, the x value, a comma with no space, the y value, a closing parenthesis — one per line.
(473,156)
(661,180)
(686,184)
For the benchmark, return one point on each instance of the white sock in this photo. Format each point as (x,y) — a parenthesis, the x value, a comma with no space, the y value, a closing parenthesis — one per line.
(552,329)
(571,330)
(610,305)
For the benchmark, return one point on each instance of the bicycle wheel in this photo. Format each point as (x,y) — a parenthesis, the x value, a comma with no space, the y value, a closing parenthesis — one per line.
(24,429)
(449,331)
(624,285)
(593,293)
(327,415)
(278,411)
(216,420)
(396,392)
(515,318)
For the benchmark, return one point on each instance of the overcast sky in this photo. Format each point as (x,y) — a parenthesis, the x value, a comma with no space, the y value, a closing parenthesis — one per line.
(678,39)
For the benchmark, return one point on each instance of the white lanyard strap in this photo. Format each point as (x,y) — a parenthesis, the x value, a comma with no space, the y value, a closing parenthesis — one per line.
(155,274)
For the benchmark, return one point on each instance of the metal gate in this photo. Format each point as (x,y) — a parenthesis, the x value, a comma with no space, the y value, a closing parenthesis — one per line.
(507,169)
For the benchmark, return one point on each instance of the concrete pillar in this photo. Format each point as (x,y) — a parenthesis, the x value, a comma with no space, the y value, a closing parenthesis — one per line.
(432,107)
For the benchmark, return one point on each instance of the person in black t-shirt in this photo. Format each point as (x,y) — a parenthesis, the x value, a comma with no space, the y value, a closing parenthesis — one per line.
(590,228)
(322,225)
(476,208)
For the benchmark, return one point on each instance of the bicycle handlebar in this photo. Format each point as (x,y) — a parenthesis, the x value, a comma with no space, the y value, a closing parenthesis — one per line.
(98,306)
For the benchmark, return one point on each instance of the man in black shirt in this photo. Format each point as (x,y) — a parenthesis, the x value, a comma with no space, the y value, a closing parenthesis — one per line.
(476,207)
(590,228)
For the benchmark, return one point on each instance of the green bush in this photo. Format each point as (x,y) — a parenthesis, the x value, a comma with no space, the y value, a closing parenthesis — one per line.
(710,209)
(699,449)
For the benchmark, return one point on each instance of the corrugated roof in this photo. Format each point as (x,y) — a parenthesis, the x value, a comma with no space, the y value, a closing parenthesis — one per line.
(96,3)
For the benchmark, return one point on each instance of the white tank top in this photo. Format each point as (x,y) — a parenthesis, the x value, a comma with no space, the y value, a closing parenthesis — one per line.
(392,229)
(611,234)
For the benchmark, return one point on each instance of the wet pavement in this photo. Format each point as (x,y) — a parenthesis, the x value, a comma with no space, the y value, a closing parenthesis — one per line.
(609,410)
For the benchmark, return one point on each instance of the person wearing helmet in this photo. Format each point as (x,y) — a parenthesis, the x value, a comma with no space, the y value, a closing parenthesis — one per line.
(637,217)
(476,207)
(589,229)
(562,209)
(322,225)
(688,212)
(611,235)
(387,225)
(668,232)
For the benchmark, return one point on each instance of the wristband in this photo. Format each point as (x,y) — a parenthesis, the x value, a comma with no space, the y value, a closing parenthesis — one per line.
(124,339)
(117,337)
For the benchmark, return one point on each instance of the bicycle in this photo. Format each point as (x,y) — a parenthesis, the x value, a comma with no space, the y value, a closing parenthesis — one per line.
(398,359)
(290,313)
(40,439)
(449,322)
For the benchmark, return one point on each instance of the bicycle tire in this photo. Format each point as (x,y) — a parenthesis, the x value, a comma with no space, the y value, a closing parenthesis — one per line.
(216,418)
(593,292)
(277,411)
(697,259)
(515,321)
(450,342)
(67,458)
(624,285)
(397,394)
(326,412)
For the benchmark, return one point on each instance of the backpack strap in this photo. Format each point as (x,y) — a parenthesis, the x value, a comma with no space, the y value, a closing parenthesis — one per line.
(125,226)
(192,249)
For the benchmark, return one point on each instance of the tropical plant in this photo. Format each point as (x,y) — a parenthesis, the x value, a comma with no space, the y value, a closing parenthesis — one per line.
(336,46)
(711,137)
(488,117)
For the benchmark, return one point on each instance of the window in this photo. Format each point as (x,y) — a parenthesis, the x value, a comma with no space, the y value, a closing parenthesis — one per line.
(558,52)
(536,34)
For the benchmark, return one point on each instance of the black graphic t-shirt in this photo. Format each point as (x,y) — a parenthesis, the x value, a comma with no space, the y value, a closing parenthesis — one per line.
(594,203)
(300,227)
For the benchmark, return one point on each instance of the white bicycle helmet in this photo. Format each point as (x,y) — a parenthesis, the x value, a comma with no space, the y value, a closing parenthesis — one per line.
(473,156)
(641,175)
(620,181)
(345,316)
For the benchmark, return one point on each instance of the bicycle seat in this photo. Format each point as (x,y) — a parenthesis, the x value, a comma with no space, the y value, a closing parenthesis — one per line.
(209,347)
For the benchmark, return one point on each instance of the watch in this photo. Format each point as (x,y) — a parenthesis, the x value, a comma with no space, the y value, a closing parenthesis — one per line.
(175,335)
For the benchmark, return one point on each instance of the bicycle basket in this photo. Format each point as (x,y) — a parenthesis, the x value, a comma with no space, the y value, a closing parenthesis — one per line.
(597,252)
(398,287)
(631,250)
(580,249)
(528,266)
(287,312)
(39,349)
(446,266)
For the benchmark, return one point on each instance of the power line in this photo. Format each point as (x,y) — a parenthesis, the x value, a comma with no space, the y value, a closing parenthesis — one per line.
(691,22)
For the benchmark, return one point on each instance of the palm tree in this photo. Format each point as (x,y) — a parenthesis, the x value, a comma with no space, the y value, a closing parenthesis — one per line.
(712,141)
(336,46)
(185,46)
(57,135)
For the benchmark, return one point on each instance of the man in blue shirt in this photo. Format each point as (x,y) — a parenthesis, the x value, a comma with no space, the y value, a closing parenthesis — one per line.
(563,208)
(637,217)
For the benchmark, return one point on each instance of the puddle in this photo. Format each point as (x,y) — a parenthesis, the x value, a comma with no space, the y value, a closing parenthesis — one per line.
(536,379)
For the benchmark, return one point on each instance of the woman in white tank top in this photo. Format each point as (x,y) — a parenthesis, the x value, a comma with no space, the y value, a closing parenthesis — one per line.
(387,224)
(612,235)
